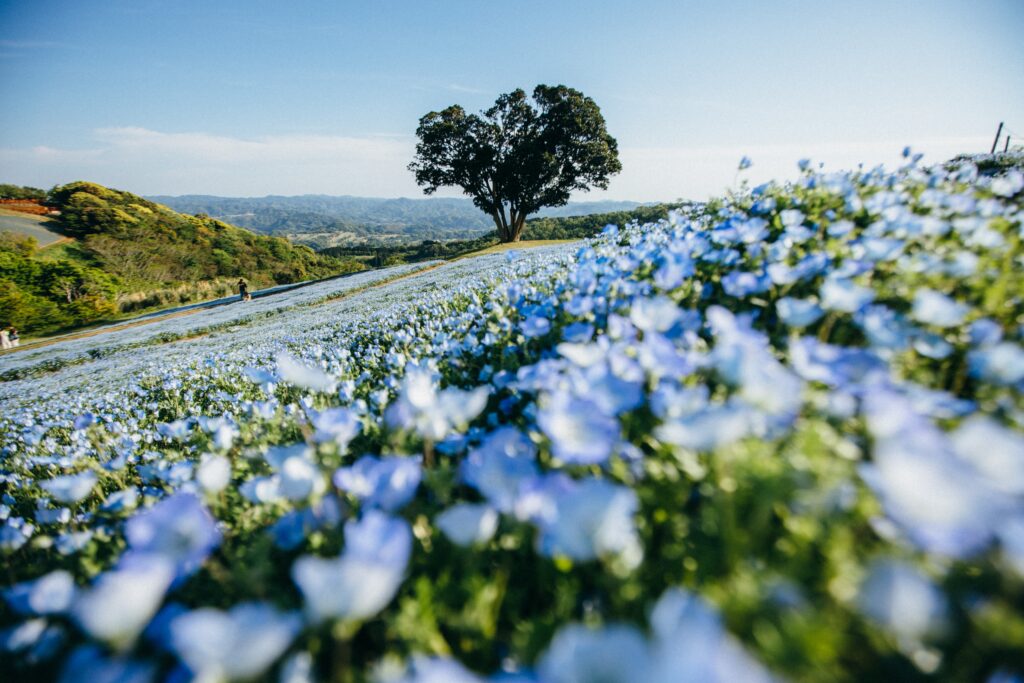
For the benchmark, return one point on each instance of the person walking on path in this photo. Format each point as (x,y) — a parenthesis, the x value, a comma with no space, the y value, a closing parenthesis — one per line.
(5,340)
(243,290)
(12,337)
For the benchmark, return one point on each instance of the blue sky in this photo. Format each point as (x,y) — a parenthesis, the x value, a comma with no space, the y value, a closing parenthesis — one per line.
(254,97)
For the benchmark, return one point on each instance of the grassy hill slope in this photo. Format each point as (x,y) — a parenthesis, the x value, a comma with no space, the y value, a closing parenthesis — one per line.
(130,254)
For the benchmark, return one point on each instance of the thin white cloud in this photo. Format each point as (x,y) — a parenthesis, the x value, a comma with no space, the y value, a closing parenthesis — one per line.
(146,161)
(153,162)
(456,87)
(663,173)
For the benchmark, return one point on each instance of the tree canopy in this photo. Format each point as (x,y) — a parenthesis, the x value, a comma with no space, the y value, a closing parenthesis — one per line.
(518,156)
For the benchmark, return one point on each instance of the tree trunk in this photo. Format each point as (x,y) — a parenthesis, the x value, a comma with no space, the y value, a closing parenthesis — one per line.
(497,224)
(516,229)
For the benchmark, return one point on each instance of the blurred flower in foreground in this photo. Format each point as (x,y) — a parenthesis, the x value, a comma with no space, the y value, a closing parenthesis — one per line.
(237,644)
(362,581)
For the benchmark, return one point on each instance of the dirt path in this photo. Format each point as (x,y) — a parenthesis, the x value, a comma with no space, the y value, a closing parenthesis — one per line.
(196,308)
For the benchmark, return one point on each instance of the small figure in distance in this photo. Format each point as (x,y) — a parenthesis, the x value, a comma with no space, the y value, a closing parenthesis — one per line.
(243,290)
(12,336)
(5,340)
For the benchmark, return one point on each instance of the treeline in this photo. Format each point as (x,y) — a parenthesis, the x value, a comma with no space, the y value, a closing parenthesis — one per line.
(129,250)
(566,228)
(377,256)
(38,294)
(579,227)
(21,192)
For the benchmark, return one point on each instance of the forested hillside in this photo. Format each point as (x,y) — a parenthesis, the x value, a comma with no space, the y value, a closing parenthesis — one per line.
(327,221)
(129,253)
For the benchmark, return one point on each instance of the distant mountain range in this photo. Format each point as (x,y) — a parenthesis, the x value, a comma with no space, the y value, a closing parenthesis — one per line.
(325,220)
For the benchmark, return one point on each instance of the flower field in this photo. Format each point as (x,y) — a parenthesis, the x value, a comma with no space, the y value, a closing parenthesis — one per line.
(778,439)
(105,342)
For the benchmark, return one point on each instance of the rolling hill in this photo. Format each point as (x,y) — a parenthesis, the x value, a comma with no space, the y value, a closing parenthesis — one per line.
(126,254)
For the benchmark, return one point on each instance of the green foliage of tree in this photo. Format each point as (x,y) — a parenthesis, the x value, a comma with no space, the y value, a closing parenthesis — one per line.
(378,256)
(39,295)
(21,192)
(519,155)
(579,227)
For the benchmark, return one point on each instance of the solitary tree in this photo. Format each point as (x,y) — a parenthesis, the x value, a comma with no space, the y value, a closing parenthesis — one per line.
(519,155)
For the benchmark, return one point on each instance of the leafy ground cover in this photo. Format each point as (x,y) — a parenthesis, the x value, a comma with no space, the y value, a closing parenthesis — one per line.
(777,440)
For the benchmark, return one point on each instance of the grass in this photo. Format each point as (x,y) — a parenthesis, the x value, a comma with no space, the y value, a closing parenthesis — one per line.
(512,246)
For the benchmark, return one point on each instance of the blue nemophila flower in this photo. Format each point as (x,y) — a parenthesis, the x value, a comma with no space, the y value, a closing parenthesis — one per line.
(364,579)
(260,376)
(70,488)
(338,425)
(436,670)
(904,602)
(535,326)
(386,483)
(578,332)
(996,452)
(84,421)
(741,284)
(35,640)
(708,428)
(840,294)
(51,593)
(745,163)
(798,312)
(238,644)
(1007,185)
(89,664)
(580,433)
(674,271)
(985,332)
(742,357)
(14,533)
(884,328)
(836,366)
(499,465)
(939,500)
(615,653)
(593,519)
(792,217)
(430,412)
(291,529)
(1001,363)
(298,668)
(931,345)
(934,308)
(296,476)
(179,529)
(656,314)
(468,523)
(304,376)
(178,430)
(121,601)
(690,644)
(213,473)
